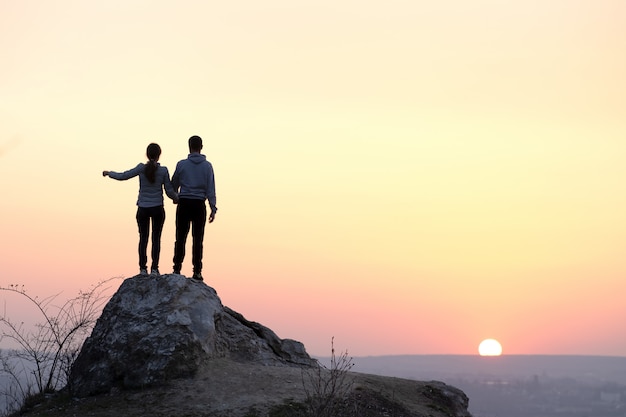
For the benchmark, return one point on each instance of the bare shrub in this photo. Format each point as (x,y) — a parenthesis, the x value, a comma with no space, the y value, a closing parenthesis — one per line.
(327,387)
(44,355)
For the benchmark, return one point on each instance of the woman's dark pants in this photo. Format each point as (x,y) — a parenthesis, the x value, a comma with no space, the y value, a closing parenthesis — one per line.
(144,214)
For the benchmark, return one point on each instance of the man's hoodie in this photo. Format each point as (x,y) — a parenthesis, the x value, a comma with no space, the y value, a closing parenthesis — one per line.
(194,176)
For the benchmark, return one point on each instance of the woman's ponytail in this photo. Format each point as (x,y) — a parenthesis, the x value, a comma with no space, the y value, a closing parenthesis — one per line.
(153,152)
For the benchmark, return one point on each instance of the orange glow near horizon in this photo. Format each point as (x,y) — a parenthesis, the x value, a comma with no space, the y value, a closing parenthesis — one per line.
(404,177)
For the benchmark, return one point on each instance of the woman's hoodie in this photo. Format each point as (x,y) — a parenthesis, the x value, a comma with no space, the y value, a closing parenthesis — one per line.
(150,194)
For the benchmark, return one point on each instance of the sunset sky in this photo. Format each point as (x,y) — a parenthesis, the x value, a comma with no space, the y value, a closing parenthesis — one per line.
(408,177)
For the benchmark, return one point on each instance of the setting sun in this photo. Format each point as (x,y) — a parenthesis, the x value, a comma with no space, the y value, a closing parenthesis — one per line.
(490,347)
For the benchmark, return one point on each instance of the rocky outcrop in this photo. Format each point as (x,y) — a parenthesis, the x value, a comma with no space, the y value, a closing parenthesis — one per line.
(170,335)
(155,329)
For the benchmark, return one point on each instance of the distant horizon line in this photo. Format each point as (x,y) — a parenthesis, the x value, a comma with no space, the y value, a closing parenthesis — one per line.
(570,355)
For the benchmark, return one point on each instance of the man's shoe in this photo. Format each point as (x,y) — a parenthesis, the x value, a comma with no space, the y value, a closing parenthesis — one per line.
(143,271)
(197,276)
(154,272)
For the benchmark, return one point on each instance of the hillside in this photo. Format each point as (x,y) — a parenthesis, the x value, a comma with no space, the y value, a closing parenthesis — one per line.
(226,388)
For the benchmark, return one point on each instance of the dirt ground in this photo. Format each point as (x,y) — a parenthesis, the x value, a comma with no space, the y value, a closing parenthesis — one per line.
(231,389)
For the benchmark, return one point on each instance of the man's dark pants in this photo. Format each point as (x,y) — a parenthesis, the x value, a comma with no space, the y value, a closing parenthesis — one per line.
(192,213)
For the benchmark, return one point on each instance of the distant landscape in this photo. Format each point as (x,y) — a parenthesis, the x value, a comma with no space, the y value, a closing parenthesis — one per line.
(518,385)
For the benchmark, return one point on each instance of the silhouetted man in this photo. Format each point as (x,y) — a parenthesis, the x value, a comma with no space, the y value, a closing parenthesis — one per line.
(194,176)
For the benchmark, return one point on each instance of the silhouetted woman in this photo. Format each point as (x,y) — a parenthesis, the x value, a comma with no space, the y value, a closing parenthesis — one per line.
(152,179)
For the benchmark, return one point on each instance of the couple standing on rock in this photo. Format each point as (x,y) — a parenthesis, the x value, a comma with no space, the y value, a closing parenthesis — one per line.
(193,182)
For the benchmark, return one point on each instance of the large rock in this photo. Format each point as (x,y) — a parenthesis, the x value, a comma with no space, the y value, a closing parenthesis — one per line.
(157,329)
